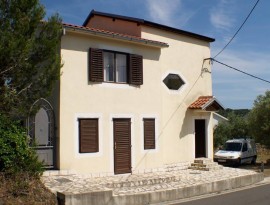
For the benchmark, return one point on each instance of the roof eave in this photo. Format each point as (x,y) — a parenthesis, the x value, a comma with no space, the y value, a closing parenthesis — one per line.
(179,31)
(222,117)
(210,102)
(116,36)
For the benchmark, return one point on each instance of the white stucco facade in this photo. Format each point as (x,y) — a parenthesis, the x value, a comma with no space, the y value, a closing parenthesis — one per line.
(77,98)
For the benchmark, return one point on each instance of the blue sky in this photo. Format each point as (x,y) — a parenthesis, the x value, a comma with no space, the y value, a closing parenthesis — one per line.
(220,19)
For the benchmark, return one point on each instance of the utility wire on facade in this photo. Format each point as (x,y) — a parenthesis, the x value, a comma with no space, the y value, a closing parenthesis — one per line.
(237,30)
(253,76)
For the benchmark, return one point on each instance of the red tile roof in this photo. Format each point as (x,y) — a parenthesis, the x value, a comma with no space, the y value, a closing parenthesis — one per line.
(205,102)
(200,102)
(115,35)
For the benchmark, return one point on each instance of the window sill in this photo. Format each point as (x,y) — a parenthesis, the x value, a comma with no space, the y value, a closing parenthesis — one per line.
(122,83)
(117,85)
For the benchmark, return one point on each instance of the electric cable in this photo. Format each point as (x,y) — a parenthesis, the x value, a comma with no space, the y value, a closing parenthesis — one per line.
(237,30)
(253,76)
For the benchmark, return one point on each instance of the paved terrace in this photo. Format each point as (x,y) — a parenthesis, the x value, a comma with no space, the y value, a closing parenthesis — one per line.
(173,182)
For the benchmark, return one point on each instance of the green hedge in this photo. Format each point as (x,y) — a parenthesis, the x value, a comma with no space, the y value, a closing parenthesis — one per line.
(15,154)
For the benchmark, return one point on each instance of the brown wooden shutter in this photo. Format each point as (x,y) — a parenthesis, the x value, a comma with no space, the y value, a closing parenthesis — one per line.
(149,134)
(122,146)
(96,65)
(135,69)
(88,135)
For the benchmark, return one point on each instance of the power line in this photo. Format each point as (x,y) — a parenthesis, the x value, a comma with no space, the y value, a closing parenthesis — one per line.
(237,30)
(174,113)
(253,76)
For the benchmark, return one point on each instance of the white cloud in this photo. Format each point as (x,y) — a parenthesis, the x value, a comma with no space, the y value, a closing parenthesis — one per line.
(170,13)
(221,16)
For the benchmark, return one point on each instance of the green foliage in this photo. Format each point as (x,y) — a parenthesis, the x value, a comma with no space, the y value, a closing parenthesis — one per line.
(29,55)
(238,112)
(236,127)
(259,119)
(15,154)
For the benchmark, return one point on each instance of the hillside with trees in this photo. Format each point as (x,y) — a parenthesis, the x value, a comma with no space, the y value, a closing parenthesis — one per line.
(254,123)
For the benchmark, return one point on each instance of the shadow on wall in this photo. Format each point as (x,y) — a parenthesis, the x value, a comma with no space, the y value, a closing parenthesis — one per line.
(186,128)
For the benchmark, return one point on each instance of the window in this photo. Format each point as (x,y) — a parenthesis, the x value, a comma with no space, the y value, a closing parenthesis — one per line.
(233,146)
(245,147)
(88,135)
(173,81)
(110,66)
(115,67)
(149,133)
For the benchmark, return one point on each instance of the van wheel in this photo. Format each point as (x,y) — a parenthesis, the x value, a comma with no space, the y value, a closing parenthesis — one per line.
(253,161)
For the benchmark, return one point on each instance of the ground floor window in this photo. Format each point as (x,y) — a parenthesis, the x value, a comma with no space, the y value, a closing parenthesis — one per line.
(88,135)
(149,133)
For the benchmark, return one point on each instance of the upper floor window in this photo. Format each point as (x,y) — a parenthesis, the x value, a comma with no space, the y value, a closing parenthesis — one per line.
(115,67)
(173,81)
(110,66)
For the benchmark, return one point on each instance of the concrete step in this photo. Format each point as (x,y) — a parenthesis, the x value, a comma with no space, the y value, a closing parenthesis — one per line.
(202,160)
(204,164)
(213,164)
(198,165)
(200,168)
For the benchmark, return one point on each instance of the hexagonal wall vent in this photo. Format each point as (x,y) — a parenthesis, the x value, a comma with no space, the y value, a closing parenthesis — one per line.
(173,81)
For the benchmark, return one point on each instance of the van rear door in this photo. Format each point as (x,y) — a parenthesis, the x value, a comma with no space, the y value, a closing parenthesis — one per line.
(245,153)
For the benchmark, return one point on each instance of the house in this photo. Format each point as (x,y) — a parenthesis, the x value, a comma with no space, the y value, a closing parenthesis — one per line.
(134,95)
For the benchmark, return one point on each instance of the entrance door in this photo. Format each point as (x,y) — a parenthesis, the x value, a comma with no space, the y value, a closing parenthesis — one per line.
(200,141)
(122,146)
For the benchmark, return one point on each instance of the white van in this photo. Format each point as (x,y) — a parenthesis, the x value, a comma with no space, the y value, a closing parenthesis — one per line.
(236,152)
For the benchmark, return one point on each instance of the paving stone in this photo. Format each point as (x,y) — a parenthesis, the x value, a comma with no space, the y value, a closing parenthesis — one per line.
(160,179)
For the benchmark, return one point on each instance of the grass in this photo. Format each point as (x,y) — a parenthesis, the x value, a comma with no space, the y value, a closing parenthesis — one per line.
(263,157)
(24,189)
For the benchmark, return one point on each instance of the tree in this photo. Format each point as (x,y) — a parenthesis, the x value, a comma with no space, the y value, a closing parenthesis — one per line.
(15,154)
(259,119)
(29,55)
(236,127)
(238,112)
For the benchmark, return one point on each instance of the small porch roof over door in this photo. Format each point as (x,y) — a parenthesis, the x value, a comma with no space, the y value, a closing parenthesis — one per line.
(206,103)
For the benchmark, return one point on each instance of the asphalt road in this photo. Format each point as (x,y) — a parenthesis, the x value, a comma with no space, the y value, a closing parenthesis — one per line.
(259,195)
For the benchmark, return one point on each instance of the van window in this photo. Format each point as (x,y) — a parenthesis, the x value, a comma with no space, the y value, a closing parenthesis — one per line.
(233,146)
(244,147)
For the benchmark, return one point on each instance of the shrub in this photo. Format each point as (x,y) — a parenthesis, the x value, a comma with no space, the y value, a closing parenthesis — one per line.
(15,154)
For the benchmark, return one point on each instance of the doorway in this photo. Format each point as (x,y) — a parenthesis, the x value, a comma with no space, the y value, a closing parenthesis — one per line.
(122,145)
(200,139)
